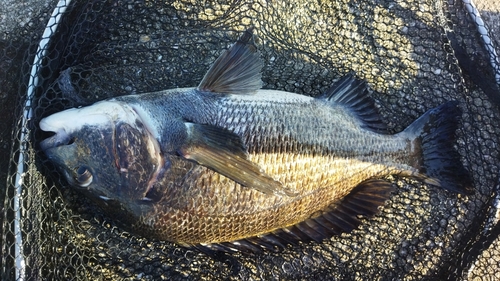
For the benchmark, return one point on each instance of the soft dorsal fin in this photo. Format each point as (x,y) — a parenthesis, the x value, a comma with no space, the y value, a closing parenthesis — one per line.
(353,94)
(341,217)
(236,71)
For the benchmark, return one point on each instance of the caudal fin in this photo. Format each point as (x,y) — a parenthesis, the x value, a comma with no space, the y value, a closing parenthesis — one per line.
(434,153)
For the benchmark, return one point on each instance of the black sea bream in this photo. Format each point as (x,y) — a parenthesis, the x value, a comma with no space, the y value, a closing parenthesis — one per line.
(228,161)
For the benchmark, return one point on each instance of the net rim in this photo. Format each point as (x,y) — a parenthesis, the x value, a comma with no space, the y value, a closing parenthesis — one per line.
(49,31)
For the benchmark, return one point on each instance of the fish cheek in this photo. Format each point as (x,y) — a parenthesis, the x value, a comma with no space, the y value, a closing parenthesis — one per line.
(137,160)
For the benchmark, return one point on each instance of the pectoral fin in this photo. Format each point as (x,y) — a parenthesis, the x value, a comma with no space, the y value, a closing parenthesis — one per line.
(223,152)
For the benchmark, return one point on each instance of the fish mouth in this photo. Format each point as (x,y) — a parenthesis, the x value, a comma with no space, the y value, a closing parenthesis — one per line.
(58,138)
(55,132)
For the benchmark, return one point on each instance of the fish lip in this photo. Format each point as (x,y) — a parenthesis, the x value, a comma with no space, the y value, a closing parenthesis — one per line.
(59,139)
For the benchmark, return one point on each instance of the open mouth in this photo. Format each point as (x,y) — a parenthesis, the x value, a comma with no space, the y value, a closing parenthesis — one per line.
(57,139)
(55,132)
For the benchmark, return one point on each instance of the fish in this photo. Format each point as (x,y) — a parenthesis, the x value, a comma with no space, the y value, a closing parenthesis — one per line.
(235,167)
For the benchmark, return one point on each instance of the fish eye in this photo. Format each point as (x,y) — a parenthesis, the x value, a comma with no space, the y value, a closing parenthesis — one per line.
(83,176)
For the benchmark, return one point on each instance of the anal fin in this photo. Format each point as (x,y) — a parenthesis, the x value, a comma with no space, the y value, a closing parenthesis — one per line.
(341,217)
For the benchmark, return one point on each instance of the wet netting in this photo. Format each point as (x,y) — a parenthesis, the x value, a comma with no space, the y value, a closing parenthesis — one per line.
(414,55)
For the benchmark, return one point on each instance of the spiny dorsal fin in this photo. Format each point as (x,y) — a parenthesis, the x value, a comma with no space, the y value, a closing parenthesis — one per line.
(236,71)
(342,217)
(353,94)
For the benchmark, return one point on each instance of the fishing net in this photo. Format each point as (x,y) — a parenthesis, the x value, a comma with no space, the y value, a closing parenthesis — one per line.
(415,55)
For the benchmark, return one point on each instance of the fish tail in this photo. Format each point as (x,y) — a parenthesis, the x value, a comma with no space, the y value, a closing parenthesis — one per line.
(433,150)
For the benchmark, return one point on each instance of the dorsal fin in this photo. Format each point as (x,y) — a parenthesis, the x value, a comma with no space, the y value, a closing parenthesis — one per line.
(353,94)
(340,217)
(236,71)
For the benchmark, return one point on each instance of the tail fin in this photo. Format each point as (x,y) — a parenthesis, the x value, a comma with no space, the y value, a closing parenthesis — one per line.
(434,154)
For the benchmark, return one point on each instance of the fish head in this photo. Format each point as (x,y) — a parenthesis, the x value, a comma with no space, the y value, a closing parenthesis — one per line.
(104,150)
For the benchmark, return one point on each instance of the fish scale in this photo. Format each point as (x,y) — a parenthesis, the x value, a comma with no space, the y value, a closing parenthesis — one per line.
(325,129)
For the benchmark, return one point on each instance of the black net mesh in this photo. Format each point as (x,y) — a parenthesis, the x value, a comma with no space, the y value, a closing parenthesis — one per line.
(415,55)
